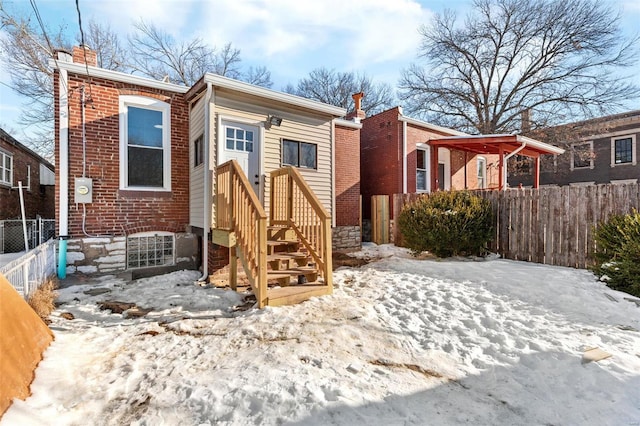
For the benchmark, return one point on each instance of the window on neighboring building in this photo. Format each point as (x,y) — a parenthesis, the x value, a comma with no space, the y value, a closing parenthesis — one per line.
(582,155)
(299,154)
(482,172)
(623,150)
(144,144)
(421,170)
(6,168)
(150,249)
(198,151)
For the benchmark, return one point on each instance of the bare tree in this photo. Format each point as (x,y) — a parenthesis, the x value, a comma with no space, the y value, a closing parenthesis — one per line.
(158,55)
(552,60)
(26,50)
(335,88)
(260,76)
(106,43)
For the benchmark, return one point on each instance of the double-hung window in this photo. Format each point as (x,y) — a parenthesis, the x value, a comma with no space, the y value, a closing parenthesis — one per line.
(299,154)
(421,170)
(145,151)
(6,168)
(582,155)
(623,150)
(482,173)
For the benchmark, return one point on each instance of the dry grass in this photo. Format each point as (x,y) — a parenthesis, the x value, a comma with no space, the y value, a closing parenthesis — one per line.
(43,299)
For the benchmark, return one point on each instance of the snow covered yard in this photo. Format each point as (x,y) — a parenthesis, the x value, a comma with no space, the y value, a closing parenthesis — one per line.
(401,341)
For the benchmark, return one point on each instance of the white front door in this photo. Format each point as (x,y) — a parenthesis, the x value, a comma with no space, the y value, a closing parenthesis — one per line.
(241,142)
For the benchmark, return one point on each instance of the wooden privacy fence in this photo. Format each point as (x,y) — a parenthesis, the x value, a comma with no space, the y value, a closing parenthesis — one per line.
(551,225)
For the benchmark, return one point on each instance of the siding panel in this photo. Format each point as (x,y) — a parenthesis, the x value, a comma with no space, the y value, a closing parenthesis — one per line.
(296,125)
(196,176)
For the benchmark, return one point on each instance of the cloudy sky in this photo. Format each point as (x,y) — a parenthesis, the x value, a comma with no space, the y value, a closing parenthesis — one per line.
(289,37)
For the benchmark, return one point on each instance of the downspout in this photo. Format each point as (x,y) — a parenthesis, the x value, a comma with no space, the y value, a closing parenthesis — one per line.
(333,173)
(506,158)
(206,224)
(63,168)
(404,157)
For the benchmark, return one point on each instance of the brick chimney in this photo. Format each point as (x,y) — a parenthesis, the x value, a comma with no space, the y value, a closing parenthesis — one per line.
(79,53)
(357,114)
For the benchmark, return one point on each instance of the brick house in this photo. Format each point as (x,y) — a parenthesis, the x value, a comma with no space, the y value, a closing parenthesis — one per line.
(137,162)
(601,150)
(20,164)
(395,159)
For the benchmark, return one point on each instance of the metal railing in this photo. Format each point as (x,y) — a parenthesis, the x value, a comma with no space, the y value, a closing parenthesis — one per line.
(12,234)
(33,269)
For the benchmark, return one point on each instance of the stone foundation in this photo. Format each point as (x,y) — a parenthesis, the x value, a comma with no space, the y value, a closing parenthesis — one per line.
(108,254)
(346,238)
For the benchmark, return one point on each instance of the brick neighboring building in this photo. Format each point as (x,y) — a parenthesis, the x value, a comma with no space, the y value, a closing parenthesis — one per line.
(347,233)
(395,156)
(598,151)
(20,164)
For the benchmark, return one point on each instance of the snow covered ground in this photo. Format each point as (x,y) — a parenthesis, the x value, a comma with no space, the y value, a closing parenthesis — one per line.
(401,341)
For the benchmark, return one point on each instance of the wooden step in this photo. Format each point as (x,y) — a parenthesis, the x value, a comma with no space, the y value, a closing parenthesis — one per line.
(282,247)
(309,273)
(285,260)
(295,293)
(281,233)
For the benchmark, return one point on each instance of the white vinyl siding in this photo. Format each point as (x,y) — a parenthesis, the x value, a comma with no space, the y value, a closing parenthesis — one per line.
(296,125)
(196,174)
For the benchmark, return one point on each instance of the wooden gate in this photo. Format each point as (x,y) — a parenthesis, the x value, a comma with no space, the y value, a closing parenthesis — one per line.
(380,219)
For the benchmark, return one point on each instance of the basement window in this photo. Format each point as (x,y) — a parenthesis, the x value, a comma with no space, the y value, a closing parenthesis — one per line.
(145,151)
(299,154)
(6,168)
(150,249)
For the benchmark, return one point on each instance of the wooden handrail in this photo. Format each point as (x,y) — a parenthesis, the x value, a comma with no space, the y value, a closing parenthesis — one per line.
(295,205)
(238,210)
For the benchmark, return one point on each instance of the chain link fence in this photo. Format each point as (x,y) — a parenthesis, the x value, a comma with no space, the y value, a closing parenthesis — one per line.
(12,234)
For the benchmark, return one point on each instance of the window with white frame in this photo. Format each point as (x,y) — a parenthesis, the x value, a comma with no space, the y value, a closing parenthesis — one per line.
(623,150)
(150,249)
(6,168)
(482,172)
(145,151)
(582,155)
(421,170)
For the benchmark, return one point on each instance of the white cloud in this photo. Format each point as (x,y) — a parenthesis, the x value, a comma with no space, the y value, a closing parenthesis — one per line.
(170,15)
(361,32)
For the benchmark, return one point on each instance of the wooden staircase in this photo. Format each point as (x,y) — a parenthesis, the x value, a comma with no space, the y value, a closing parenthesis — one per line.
(287,262)
(292,276)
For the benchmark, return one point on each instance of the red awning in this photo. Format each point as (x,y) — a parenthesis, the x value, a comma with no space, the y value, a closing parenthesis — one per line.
(494,144)
(502,145)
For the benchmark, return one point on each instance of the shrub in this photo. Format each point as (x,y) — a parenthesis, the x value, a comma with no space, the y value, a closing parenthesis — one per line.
(447,223)
(617,253)
(43,299)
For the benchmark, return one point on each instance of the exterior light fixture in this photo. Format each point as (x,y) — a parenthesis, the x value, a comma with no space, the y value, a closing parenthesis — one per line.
(273,120)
